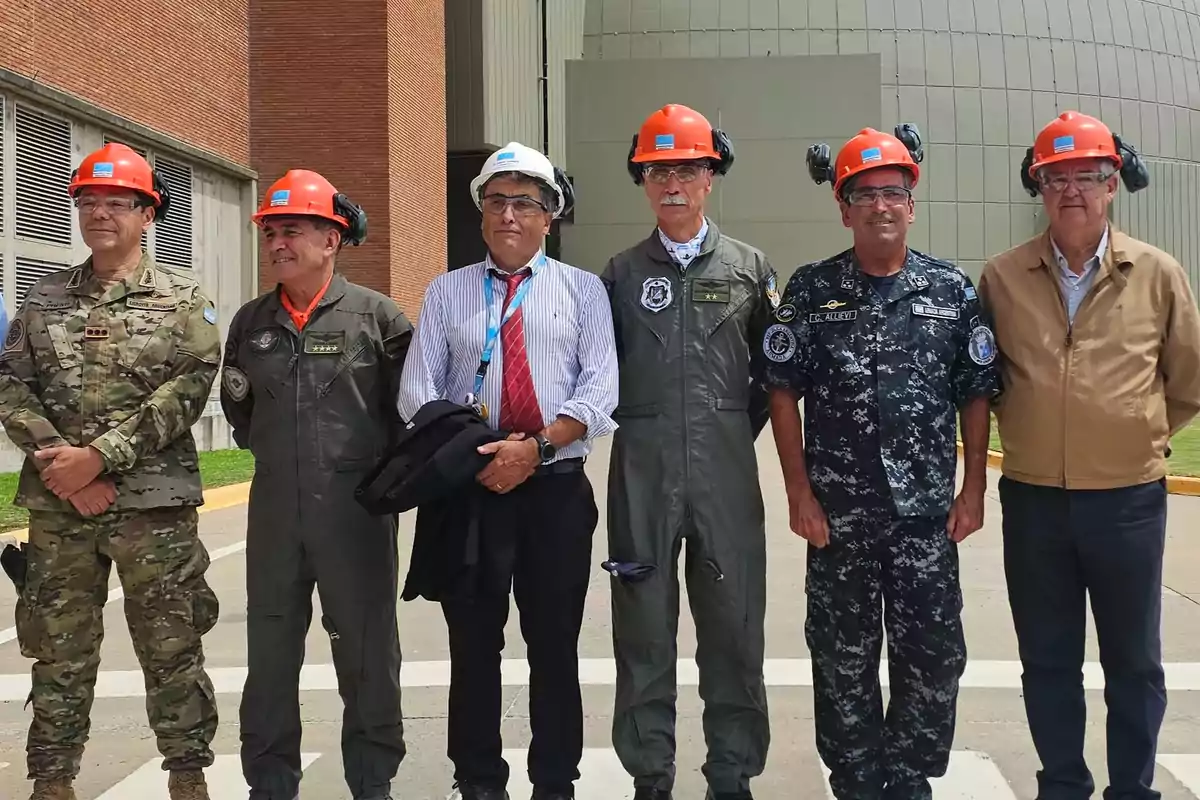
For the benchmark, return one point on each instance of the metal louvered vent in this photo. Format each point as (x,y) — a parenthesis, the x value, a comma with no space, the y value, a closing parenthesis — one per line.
(141,152)
(3,127)
(29,272)
(173,236)
(43,173)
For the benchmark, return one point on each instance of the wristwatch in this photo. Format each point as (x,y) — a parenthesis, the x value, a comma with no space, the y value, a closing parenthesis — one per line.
(546,448)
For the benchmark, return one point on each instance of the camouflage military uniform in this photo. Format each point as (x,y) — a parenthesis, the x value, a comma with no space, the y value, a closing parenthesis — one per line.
(127,370)
(882,378)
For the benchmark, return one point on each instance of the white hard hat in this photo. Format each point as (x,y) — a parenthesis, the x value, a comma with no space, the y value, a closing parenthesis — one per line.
(516,157)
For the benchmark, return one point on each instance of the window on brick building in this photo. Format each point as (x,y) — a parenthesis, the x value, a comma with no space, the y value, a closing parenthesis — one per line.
(37,228)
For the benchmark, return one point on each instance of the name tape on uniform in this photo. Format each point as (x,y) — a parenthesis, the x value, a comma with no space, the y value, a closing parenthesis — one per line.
(936,312)
(833,316)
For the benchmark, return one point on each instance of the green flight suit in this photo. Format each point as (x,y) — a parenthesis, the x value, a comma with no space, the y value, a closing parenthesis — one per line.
(317,408)
(684,469)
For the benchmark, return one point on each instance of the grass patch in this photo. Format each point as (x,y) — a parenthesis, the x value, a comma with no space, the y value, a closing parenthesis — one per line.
(1185,450)
(217,468)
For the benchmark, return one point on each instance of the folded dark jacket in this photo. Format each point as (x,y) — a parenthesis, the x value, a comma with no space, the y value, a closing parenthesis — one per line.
(435,455)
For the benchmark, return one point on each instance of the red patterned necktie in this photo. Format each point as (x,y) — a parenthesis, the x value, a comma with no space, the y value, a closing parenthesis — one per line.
(519,410)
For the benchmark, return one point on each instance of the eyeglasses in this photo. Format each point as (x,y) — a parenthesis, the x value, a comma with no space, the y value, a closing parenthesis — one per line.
(522,205)
(113,206)
(686,173)
(1084,181)
(868,195)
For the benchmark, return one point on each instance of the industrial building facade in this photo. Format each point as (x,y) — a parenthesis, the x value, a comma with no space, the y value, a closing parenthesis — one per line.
(399,101)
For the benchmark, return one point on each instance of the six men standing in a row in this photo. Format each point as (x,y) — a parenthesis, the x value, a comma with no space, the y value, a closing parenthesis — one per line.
(1084,343)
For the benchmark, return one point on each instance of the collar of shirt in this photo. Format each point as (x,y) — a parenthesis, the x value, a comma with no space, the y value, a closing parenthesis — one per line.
(1092,263)
(492,266)
(684,253)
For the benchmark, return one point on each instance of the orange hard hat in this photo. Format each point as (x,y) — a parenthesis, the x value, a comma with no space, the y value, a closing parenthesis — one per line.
(678,133)
(871,149)
(1073,135)
(117,166)
(302,192)
(674,133)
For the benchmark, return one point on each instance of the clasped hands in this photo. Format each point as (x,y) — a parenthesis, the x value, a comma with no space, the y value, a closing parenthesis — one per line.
(515,460)
(807,519)
(73,473)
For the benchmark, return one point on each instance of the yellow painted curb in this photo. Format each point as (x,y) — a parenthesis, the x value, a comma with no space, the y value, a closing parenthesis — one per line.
(214,500)
(1176,484)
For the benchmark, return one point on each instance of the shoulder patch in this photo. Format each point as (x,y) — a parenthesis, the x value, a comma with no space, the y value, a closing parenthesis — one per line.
(15,338)
(779,343)
(235,382)
(969,291)
(982,345)
(210,315)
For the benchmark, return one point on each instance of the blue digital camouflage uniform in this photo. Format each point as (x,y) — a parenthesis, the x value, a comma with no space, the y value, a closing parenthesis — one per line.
(882,377)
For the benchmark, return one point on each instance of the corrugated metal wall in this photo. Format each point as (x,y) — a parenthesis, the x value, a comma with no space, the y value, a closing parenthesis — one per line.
(464,74)
(565,25)
(512,65)
(494,68)
(1165,213)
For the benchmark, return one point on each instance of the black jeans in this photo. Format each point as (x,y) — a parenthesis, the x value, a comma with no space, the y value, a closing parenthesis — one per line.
(539,536)
(1058,545)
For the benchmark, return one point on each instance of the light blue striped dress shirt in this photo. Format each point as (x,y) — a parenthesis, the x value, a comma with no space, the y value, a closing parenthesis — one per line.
(569,342)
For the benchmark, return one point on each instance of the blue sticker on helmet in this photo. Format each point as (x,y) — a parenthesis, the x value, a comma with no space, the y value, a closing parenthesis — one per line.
(1064,144)
(664,141)
(102,169)
(872,154)
(280,197)
(508,155)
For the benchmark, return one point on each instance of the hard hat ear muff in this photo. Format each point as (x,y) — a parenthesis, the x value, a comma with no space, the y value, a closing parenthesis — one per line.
(356,219)
(817,160)
(164,195)
(1028,181)
(1134,173)
(910,137)
(635,169)
(723,146)
(568,191)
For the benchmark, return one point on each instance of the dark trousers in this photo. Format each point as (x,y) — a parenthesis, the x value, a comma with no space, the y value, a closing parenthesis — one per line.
(539,538)
(1108,544)
(352,559)
(899,574)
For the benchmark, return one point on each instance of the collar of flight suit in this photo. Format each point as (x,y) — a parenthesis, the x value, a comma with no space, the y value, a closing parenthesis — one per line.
(334,293)
(145,278)
(653,246)
(912,277)
(1115,255)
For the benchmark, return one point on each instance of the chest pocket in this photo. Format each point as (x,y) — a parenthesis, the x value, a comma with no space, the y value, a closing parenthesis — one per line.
(845,336)
(717,301)
(353,364)
(145,335)
(931,335)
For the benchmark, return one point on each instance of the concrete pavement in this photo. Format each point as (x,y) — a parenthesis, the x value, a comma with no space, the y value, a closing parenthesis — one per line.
(993,754)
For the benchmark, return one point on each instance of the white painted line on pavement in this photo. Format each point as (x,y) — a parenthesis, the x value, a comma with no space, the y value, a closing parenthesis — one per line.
(971,776)
(9,634)
(224,780)
(601,776)
(781,672)
(1185,768)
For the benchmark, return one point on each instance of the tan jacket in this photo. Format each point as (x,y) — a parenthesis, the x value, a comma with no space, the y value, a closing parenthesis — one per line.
(1092,405)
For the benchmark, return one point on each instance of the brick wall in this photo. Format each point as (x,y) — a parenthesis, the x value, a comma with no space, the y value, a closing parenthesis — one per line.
(417,146)
(109,54)
(362,101)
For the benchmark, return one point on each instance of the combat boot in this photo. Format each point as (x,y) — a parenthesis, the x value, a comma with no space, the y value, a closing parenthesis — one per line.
(187,784)
(52,789)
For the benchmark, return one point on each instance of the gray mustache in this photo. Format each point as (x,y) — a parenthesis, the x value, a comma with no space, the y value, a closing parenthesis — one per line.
(674,200)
